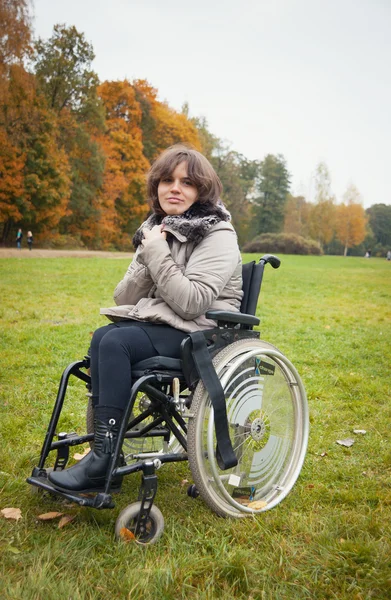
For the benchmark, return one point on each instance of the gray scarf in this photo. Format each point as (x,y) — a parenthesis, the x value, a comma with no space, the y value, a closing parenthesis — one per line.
(194,223)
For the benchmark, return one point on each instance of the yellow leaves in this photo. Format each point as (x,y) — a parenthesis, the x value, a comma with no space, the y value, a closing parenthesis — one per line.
(126,535)
(11,513)
(350,224)
(49,516)
(257,504)
(79,456)
(65,520)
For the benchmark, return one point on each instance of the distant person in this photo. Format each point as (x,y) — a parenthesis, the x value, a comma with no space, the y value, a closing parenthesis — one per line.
(29,239)
(368,254)
(19,237)
(389,255)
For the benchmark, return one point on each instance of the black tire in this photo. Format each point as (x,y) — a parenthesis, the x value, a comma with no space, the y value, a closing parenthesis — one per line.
(128,518)
(268,423)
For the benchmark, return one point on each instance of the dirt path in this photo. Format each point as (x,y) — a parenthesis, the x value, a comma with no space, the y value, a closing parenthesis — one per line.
(37,253)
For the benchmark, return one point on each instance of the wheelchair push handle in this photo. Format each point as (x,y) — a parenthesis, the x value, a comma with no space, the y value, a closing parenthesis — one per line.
(274,261)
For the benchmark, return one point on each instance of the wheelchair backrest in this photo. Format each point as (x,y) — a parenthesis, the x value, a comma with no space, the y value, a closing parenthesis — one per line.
(252,274)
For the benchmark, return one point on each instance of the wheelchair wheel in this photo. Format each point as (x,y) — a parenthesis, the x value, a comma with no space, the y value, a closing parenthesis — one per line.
(268,424)
(128,519)
(135,446)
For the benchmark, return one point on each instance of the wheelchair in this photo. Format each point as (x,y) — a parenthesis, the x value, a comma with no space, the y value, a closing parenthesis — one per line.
(233,406)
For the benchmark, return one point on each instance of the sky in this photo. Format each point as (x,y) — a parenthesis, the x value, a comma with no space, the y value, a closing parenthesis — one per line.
(308,79)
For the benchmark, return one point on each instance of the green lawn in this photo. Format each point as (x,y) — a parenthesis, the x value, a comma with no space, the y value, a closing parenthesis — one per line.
(330,538)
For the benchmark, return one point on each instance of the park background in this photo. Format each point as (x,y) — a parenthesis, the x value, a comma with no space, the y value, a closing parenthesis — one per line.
(74,151)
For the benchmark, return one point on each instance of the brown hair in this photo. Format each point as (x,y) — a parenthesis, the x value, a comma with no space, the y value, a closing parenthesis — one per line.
(199,171)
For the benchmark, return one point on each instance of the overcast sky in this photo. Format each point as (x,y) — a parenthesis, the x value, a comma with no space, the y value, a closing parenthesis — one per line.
(310,79)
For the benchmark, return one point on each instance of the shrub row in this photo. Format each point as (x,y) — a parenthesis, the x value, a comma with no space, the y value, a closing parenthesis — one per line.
(286,243)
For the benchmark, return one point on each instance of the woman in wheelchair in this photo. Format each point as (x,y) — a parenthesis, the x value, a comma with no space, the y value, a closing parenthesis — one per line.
(187,261)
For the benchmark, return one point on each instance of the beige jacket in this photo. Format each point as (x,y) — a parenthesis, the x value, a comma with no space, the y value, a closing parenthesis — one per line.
(177,283)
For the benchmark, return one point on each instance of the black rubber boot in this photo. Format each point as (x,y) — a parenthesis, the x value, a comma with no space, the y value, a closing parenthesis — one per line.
(89,475)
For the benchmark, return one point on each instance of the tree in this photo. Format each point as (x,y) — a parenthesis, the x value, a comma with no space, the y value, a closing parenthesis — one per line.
(64,74)
(210,144)
(12,201)
(380,224)
(123,192)
(86,162)
(272,188)
(237,175)
(162,126)
(351,221)
(296,215)
(15,32)
(46,173)
(322,213)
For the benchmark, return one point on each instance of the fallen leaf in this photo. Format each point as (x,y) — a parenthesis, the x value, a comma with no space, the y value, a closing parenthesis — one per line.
(13,550)
(257,504)
(79,456)
(323,454)
(360,431)
(310,486)
(347,443)
(126,535)
(327,326)
(12,513)
(65,520)
(49,516)
(184,482)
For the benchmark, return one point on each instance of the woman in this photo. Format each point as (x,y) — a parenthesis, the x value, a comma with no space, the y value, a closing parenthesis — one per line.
(187,261)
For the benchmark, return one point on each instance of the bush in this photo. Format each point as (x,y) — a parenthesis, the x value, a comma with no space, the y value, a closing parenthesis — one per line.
(286,243)
(61,242)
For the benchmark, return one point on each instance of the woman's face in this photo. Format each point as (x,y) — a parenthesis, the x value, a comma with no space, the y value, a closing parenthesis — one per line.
(177,192)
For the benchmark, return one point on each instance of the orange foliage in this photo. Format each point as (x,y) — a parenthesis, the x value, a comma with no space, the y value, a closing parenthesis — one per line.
(122,200)
(161,125)
(351,220)
(11,180)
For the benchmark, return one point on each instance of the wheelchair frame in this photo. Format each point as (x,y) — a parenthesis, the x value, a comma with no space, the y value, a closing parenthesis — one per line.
(168,412)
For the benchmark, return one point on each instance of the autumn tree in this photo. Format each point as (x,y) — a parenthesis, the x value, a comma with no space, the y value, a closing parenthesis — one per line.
(350,226)
(33,176)
(15,32)
(123,192)
(12,190)
(272,188)
(296,215)
(322,214)
(68,83)
(161,125)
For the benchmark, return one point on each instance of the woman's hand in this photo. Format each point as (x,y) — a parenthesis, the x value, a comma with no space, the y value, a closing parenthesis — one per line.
(152,234)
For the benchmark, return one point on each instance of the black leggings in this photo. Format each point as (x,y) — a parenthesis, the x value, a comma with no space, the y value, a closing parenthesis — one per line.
(118,346)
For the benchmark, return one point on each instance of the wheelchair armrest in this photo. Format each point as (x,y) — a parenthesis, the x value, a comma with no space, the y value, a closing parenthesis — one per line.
(224,316)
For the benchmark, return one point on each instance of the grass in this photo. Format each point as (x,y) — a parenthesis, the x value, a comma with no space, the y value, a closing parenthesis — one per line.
(330,538)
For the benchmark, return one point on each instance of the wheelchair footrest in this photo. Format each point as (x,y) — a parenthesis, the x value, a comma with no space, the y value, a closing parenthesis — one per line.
(96,500)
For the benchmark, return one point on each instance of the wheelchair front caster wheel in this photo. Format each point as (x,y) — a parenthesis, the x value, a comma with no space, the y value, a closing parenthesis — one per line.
(127,519)
(192,491)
